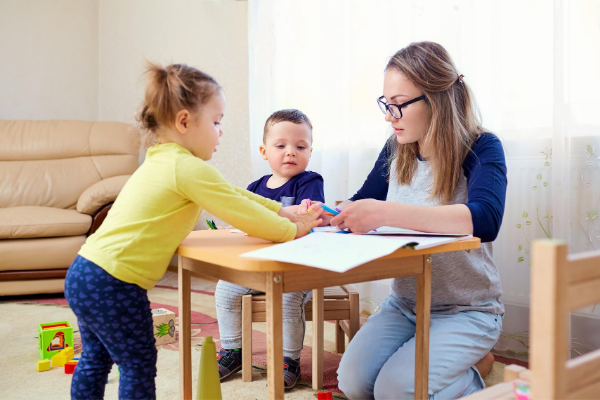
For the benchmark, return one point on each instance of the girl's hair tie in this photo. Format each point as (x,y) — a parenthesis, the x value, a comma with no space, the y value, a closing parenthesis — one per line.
(460,78)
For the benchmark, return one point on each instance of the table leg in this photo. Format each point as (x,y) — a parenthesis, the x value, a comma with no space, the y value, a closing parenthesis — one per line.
(274,292)
(422,330)
(318,348)
(185,333)
(247,338)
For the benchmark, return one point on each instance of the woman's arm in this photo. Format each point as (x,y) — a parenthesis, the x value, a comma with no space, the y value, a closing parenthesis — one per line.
(365,215)
(485,170)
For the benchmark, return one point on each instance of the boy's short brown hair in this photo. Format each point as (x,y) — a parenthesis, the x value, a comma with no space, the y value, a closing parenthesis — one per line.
(291,115)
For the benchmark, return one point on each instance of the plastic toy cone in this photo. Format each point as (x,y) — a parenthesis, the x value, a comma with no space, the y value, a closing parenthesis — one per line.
(209,386)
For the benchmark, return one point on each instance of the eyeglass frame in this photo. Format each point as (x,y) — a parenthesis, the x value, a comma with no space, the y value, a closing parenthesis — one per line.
(388,105)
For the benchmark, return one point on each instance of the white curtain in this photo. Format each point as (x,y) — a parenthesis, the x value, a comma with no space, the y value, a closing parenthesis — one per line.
(534,67)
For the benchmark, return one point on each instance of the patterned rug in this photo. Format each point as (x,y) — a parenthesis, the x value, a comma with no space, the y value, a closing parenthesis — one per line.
(20,316)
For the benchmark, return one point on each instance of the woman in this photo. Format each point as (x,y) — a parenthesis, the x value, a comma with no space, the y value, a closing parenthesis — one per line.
(439,172)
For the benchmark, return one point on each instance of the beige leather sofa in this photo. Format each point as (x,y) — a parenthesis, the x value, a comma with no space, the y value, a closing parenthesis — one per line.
(57,181)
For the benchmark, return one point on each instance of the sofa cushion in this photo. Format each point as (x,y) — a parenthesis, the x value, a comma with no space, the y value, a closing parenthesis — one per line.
(40,222)
(51,163)
(34,254)
(100,194)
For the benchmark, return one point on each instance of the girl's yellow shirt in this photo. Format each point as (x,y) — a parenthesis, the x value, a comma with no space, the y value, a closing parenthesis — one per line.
(160,205)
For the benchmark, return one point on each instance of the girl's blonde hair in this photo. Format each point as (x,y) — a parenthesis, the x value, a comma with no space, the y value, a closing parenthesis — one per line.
(454,124)
(169,90)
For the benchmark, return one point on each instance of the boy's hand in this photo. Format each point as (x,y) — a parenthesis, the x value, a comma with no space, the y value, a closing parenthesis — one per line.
(304,222)
(303,207)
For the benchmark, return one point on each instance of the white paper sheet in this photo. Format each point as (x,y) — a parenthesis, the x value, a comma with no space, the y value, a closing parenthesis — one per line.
(338,252)
(333,252)
(391,230)
(424,242)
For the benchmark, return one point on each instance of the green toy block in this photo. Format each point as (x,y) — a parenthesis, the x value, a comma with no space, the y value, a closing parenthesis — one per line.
(53,337)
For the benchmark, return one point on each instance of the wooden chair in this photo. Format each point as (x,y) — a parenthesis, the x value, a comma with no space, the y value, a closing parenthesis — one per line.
(341,303)
(559,285)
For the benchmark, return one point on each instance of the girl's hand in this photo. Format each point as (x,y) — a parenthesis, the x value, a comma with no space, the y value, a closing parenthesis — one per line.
(360,216)
(304,207)
(304,222)
(292,209)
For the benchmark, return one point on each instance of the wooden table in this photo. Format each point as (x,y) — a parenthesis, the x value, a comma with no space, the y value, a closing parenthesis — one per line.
(216,254)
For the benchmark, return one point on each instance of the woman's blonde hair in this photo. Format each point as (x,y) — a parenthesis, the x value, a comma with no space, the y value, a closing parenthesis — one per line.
(454,124)
(169,90)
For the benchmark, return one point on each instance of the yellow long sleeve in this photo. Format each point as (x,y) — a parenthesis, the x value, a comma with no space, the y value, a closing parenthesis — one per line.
(159,206)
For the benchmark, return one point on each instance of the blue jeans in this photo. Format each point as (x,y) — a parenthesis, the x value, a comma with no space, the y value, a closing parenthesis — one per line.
(380,361)
(115,323)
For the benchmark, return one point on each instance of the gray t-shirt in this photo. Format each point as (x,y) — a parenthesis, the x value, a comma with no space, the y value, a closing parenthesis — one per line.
(460,281)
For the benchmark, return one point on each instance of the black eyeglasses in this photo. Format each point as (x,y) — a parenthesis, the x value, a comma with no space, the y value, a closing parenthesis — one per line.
(395,109)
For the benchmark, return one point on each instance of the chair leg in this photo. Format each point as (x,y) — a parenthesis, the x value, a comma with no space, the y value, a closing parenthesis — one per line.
(340,338)
(354,322)
(247,338)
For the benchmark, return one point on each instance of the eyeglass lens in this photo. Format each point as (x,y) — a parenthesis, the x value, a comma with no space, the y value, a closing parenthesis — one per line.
(394,110)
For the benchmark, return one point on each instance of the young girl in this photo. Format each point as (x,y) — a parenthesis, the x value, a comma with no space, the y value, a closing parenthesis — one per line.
(439,172)
(106,286)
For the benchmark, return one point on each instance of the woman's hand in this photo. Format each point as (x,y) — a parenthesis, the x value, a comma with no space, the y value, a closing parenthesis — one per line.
(360,216)
(304,222)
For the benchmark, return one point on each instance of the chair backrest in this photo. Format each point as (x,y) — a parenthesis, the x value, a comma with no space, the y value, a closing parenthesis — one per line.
(51,163)
(559,285)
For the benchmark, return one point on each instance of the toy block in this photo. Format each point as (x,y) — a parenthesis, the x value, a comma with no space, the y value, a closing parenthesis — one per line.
(163,321)
(53,337)
(43,365)
(59,360)
(63,356)
(70,367)
(324,396)
(69,353)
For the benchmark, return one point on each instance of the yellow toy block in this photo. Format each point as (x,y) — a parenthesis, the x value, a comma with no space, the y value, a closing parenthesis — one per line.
(43,365)
(70,353)
(60,359)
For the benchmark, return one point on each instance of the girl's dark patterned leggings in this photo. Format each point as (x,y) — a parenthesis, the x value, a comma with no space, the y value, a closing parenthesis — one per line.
(115,323)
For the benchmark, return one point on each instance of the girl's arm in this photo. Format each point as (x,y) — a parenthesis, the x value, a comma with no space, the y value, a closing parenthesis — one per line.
(253,214)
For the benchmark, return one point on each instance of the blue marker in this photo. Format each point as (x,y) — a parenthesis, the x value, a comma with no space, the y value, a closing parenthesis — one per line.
(329,210)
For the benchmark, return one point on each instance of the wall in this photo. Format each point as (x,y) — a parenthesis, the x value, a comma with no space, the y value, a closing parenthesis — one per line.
(83,59)
(49,59)
(211,36)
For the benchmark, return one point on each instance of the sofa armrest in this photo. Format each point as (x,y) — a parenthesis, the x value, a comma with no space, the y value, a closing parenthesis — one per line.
(100,194)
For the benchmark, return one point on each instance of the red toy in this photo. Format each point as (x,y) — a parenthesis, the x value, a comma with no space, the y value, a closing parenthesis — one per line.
(70,367)
(324,396)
